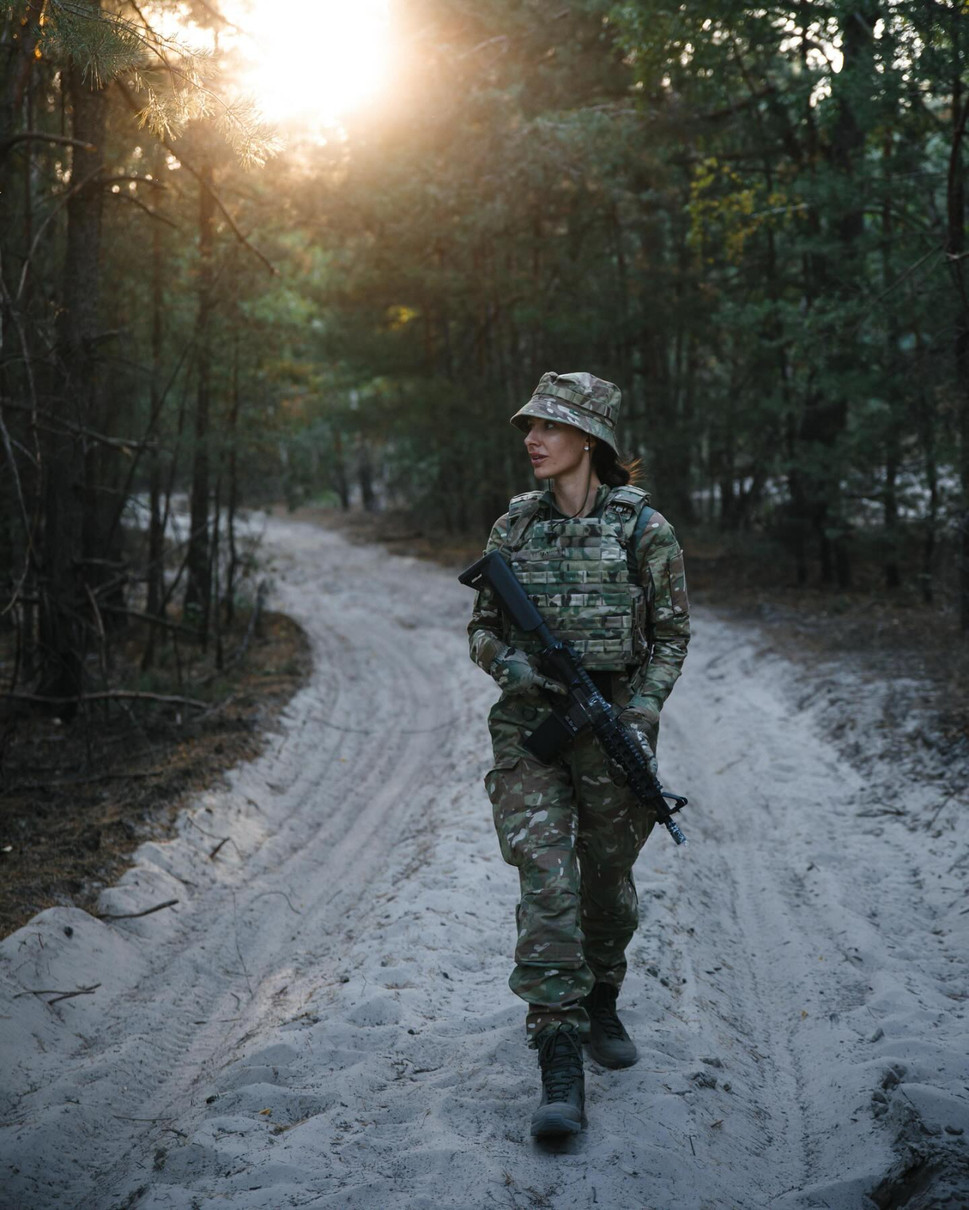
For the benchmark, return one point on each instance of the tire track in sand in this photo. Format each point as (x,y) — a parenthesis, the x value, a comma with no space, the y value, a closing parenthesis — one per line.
(330,800)
(326,1023)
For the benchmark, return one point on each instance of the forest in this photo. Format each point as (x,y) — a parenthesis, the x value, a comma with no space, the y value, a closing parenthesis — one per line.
(752,218)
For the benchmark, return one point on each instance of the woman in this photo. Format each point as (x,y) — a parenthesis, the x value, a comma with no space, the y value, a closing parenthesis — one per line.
(606,572)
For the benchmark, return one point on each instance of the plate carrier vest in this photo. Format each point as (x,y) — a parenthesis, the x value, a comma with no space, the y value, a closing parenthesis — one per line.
(581,574)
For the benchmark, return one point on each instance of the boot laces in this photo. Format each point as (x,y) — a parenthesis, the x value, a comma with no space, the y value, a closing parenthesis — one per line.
(603,1011)
(561,1063)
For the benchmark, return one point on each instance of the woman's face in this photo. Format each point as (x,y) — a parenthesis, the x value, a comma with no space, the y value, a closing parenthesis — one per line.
(554,448)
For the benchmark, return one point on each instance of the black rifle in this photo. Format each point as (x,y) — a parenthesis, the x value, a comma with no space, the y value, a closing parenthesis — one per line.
(585,708)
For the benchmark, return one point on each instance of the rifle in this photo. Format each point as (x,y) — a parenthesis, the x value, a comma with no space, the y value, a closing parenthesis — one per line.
(585,709)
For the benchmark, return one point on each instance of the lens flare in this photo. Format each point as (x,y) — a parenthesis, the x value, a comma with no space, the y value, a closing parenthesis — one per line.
(313,61)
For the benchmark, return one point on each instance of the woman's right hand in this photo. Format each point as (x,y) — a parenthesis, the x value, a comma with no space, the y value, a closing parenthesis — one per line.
(514,672)
(644,725)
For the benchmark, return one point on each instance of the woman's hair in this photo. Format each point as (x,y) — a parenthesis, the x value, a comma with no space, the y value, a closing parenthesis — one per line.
(610,470)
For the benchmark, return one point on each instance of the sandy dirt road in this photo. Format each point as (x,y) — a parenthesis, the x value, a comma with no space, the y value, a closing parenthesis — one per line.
(323,1018)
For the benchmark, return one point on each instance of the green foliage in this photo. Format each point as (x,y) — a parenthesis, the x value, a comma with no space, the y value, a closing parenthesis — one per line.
(741,215)
(178,80)
(104,44)
(726,211)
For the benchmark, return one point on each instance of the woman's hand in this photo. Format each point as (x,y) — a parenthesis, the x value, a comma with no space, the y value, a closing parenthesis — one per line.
(642,719)
(645,712)
(514,672)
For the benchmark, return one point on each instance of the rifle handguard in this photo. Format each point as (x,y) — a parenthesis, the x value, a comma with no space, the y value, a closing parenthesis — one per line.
(587,708)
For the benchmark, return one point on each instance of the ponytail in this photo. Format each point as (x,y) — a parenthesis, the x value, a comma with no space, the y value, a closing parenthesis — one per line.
(610,470)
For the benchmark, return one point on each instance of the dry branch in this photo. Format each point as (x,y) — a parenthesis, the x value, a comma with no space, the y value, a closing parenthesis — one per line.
(134,915)
(57,993)
(38,136)
(110,695)
(284,895)
(127,197)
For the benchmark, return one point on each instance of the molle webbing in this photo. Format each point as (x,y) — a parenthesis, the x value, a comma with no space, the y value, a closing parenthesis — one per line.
(578,574)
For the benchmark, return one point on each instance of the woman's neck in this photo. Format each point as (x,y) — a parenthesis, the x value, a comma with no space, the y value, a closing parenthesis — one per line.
(575,492)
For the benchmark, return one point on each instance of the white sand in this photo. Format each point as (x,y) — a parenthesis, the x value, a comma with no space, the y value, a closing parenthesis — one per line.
(323,1019)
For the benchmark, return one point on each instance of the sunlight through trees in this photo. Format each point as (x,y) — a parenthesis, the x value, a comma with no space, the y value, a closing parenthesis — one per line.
(752,219)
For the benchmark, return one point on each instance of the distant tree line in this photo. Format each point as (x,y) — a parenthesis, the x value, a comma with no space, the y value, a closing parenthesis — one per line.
(753,219)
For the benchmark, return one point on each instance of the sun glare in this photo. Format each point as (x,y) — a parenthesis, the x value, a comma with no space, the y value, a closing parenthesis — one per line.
(313,61)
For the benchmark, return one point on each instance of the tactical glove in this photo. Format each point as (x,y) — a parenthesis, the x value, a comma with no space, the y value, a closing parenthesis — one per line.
(514,672)
(646,711)
(644,725)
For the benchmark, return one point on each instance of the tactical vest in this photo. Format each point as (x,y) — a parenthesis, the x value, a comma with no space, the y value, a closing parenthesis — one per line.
(581,574)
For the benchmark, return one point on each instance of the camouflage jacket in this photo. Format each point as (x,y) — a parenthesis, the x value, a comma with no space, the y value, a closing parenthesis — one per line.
(659,560)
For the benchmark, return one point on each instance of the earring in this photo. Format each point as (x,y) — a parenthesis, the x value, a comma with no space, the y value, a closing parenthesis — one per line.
(585,447)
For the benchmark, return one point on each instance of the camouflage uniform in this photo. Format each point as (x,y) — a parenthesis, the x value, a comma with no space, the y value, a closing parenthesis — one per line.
(572,828)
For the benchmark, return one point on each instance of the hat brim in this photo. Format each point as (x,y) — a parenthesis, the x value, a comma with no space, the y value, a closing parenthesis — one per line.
(544,406)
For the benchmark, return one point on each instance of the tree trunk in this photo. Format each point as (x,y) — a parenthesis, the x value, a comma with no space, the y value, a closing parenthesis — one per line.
(338,472)
(926,425)
(893,576)
(927,575)
(63,604)
(853,84)
(955,248)
(198,589)
(365,476)
(893,453)
(214,564)
(155,572)
(232,503)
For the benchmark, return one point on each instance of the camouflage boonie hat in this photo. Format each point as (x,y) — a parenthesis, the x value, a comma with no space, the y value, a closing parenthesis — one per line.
(589,403)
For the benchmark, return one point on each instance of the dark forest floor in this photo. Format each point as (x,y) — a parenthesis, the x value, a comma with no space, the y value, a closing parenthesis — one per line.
(76,799)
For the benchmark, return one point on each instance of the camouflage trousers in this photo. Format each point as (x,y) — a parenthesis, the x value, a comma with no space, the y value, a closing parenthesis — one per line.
(574,833)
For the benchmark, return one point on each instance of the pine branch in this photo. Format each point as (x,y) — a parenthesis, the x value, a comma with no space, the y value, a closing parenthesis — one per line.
(38,136)
(244,240)
(253,139)
(108,45)
(62,426)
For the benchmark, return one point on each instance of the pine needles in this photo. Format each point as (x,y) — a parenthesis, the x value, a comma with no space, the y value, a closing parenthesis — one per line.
(179,82)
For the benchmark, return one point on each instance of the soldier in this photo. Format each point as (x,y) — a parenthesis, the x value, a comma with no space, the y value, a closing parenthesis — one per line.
(606,571)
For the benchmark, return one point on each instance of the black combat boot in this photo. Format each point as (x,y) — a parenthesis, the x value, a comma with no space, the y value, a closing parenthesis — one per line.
(608,1042)
(563,1083)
